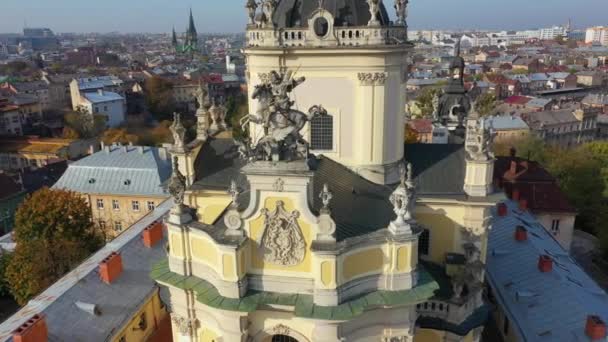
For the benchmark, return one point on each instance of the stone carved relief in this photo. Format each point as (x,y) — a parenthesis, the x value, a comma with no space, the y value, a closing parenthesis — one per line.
(281,330)
(372,78)
(279,185)
(184,325)
(282,242)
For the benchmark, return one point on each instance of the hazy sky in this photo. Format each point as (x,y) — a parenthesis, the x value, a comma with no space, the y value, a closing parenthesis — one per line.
(229,15)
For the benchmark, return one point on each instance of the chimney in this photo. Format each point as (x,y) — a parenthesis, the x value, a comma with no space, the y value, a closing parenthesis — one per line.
(140,149)
(100,92)
(162,153)
(110,268)
(595,328)
(91,149)
(103,146)
(153,234)
(523,204)
(545,263)
(521,233)
(515,194)
(502,209)
(33,330)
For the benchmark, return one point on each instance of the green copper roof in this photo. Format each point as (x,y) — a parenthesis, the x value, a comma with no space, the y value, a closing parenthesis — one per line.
(303,304)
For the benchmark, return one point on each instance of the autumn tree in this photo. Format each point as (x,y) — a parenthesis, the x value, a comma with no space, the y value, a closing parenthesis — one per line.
(118,135)
(83,125)
(424,101)
(486,104)
(159,97)
(54,232)
(411,137)
(5,258)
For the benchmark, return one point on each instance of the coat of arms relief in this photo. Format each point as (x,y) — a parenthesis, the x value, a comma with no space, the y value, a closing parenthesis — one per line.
(282,241)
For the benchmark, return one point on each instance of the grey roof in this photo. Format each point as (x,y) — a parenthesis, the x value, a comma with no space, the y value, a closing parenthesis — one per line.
(549,306)
(117,301)
(507,122)
(100,97)
(295,13)
(548,118)
(596,99)
(98,82)
(359,206)
(120,170)
(538,102)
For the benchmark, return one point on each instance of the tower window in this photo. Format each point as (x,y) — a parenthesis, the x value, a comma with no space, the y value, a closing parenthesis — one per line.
(321,27)
(322,133)
(424,242)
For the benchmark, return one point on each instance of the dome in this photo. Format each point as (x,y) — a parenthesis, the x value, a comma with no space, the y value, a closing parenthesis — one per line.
(295,13)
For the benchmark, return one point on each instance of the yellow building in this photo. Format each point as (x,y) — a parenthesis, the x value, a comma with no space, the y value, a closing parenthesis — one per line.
(17,153)
(121,183)
(270,243)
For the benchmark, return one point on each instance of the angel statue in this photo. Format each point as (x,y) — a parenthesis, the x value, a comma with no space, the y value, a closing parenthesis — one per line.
(179,133)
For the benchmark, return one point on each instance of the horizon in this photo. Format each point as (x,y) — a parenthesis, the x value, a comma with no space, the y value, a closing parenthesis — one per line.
(70,16)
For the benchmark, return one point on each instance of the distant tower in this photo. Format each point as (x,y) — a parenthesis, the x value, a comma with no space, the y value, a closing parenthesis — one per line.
(174,42)
(191,42)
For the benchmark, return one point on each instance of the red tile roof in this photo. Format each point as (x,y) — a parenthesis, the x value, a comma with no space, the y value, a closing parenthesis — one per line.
(517,100)
(421,125)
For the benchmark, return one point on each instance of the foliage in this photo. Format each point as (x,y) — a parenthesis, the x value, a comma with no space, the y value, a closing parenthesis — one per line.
(235,111)
(69,133)
(83,124)
(529,147)
(156,136)
(5,258)
(54,232)
(159,97)
(519,71)
(16,68)
(424,101)
(486,103)
(118,135)
(599,152)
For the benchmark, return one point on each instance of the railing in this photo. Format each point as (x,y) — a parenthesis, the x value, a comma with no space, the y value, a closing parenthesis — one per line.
(449,311)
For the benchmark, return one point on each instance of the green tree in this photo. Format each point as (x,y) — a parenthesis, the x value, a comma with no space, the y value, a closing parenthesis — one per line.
(424,101)
(83,124)
(54,232)
(486,104)
(159,97)
(5,258)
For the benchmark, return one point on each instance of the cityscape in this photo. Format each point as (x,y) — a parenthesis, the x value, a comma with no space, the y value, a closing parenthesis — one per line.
(323,170)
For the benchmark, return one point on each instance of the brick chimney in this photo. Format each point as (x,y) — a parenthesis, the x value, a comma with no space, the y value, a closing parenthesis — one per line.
(153,234)
(33,330)
(502,209)
(110,268)
(521,233)
(523,204)
(595,328)
(545,263)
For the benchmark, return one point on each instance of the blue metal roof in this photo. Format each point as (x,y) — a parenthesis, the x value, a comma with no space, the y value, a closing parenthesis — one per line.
(100,97)
(507,122)
(119,170)
(550,306)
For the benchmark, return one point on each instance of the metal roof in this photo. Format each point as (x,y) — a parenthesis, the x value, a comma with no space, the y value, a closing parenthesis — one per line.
(117,301)
(550,306)
(119,170)
(99,97)
(507,122)
(98,82)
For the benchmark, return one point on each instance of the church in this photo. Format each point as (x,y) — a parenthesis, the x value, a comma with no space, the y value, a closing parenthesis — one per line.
(323,225)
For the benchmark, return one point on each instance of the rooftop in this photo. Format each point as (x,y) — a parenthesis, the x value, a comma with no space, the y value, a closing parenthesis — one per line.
(507,122)
(547,306)
(120,170)
(92,83)
(102,96)
(116,301)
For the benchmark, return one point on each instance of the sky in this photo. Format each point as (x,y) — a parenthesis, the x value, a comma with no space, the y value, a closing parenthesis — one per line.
(229,15)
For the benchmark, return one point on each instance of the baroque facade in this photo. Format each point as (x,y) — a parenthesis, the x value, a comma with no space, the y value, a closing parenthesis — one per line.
(322,226)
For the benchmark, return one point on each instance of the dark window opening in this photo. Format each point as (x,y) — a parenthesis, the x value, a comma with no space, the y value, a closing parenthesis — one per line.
(322,133)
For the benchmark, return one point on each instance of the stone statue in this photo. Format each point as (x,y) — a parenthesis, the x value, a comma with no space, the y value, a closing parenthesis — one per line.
(234,193)
(202,96)
(179,133)
(374,8)
(479,140)
(403,200)
(177,184)
(268,7)
(436,107)
(325,196)
(401,10)
(251,7)
(281,124)
(218,115)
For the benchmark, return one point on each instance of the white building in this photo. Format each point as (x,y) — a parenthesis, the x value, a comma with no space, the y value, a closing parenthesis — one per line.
(110,104)
(597,34)
(553,32)
(93,84)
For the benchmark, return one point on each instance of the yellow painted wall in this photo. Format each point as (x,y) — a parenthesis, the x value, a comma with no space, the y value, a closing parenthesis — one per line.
(204,250)
(256,230)
(428,335)
(406,260)
(209,204)
(363,263)
(229,267)
(175,245)
(328,273)
(442,234)
(154,313)
(207,335)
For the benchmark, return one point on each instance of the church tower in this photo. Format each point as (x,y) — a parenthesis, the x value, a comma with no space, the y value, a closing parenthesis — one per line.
(354,60)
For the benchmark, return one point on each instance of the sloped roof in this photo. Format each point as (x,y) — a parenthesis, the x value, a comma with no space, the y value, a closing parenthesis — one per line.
(120,170)
(295,13)
(100,97)
(550,306)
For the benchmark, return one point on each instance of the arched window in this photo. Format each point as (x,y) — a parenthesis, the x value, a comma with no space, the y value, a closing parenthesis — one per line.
(283,338)
(423,242)
(322,133)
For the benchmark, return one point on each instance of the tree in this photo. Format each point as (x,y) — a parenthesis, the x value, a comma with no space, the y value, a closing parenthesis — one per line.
(159,97)
(54,232)
(118,135)
(424,101)
(411,137)
(84,124)
(486,103)
(5,258)
(69,133)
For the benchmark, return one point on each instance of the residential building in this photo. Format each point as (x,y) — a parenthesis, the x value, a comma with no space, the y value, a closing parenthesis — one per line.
(11,195)
(538,291)
(59,90)
(550,33)
(561,80)
(564,127)
(597,35)
(100,96)
(108,297)
(121,183)
(10,118)
(80,86)
(508,128)
(18,153)
(522,179)
(39,89)
(596,101)
(428,133)
(590,78)
(184,93)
